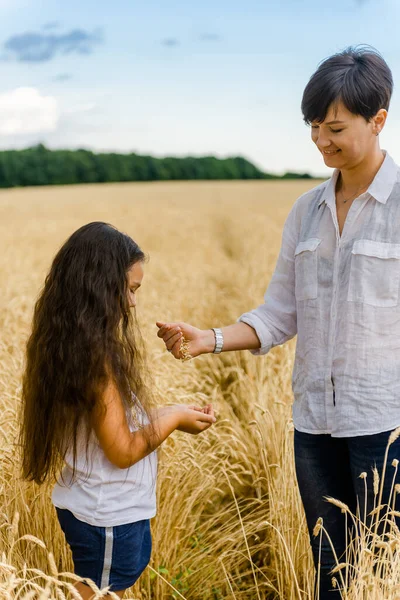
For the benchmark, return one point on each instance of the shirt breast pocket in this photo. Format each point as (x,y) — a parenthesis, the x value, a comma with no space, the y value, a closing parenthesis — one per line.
(374,273)
(306,269)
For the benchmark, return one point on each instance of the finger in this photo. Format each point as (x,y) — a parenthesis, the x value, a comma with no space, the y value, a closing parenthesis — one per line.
(163,330)
(206,418)
(205,426)
(162,324)
(171,334)
(167,330)
(172,340)
(160,332)
(176,349)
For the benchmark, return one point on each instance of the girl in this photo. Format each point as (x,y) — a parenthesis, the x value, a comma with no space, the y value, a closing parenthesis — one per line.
(85,403)
(337,286)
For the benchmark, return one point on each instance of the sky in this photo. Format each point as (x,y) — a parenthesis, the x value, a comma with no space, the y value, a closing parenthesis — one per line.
(178,78)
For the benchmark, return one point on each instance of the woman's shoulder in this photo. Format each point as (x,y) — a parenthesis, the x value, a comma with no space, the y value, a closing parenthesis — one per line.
(314,194)
(308,201)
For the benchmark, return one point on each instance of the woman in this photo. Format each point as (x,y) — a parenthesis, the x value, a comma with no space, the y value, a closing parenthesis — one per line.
(336,285)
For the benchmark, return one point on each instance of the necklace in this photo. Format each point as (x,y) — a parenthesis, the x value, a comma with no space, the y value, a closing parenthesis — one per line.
(354,195)
(351,197)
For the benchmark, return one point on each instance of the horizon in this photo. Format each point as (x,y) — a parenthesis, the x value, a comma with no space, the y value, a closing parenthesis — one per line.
(128,153)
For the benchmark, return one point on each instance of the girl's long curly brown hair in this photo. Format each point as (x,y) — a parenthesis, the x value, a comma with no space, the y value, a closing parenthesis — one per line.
(83,331)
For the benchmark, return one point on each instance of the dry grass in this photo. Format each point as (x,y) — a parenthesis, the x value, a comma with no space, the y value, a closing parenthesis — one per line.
(230,522)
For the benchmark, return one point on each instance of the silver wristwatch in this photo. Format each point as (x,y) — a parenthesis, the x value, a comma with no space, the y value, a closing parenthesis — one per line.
(219,340)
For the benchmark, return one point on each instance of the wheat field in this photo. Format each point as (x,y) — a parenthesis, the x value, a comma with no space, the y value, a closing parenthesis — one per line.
(230,523)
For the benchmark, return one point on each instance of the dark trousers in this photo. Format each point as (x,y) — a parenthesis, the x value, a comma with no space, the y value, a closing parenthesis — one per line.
(328,466)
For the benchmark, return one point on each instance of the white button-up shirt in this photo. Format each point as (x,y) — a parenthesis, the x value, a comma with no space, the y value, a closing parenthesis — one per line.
(340,295)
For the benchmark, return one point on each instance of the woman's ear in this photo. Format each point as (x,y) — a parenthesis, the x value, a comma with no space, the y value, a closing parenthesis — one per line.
(379,120)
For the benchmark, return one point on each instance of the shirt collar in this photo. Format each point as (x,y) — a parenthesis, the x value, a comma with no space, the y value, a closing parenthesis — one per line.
(380,188)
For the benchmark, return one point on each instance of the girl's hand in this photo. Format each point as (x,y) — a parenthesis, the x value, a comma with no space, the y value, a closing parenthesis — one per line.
(207,410)
(193,419)
(160,411)
(199,341)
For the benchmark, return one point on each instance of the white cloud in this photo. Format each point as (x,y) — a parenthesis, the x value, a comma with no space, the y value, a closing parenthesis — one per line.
(24,111)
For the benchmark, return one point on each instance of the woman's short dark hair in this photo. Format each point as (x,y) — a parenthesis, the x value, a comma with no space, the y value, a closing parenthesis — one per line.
(358,76)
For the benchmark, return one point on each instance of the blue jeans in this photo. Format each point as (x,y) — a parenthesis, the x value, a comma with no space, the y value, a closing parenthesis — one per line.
(328,466)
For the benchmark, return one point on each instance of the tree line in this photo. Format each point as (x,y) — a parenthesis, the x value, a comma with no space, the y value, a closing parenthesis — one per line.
(40,166)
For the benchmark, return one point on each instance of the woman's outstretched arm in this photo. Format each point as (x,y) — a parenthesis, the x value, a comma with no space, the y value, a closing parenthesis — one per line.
(202,341)
(273,323)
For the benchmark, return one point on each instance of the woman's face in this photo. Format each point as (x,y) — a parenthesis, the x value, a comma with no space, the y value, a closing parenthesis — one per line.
(134,279)
(345,139)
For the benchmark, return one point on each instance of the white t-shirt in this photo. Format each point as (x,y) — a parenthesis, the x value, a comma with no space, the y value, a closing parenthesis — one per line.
(102,494)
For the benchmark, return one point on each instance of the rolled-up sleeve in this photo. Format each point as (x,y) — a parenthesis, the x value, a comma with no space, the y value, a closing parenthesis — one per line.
(275,321)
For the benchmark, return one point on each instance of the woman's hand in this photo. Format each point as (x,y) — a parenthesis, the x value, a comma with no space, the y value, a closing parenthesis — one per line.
(199,341)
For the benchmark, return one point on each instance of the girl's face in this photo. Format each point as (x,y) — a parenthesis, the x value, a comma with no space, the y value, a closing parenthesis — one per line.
(134,280)
(345,139)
